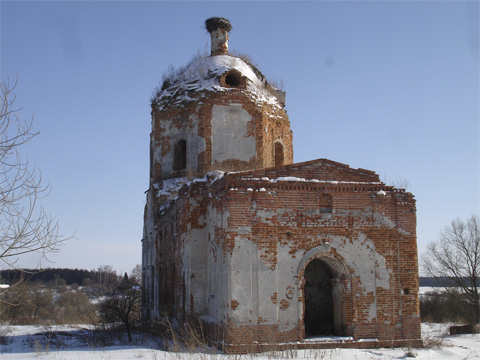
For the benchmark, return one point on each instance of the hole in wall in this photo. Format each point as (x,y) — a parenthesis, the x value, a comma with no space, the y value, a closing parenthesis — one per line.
(232,79)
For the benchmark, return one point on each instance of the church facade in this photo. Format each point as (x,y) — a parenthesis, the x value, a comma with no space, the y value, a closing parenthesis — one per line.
(262,250)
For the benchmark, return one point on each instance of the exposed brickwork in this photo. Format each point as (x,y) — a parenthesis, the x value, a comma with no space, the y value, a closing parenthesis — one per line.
(269,123)
(300,216)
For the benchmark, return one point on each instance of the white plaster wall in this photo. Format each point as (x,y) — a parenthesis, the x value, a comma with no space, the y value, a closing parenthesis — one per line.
(229,134)
(198,277)
(280,280)
(289,318)
(148,254)
(216,266)
(242,279)
(203,274)
(253,283)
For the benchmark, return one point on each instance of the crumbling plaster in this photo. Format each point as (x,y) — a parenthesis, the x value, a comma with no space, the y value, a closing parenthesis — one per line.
(252,276)
(230,138)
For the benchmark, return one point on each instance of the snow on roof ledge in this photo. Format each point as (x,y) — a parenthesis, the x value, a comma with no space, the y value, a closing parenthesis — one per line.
(169,188)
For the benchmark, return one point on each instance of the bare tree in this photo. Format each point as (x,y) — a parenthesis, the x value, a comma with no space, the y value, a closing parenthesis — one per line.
(25,226)
(456,258)
(106,276)
(136,274)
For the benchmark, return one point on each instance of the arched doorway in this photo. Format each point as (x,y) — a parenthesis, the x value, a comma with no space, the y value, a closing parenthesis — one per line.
(319,303)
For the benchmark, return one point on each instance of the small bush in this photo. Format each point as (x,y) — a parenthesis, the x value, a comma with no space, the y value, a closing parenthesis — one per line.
(442,307)
(433,342)
(4,340)
(410,354)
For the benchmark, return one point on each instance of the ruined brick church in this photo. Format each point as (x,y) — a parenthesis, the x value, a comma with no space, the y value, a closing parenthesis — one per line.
(260,249)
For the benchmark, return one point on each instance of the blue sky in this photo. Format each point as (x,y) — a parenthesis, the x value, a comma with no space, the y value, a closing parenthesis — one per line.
(390,86)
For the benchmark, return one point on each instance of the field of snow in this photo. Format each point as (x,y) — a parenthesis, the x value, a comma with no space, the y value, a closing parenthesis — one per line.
(77,342)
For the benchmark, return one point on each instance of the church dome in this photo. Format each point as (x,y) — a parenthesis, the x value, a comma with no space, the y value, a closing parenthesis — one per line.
(216,73)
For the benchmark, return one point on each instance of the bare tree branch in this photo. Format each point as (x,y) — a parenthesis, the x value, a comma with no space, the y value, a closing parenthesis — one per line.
(25,226)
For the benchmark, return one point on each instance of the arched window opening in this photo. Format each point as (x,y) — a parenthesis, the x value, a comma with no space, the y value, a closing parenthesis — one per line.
(319,312)
(180,155)
(279,158)
(232,79)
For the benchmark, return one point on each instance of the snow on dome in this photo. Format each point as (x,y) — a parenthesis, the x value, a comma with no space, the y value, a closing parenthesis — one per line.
(207,67)
(202,74)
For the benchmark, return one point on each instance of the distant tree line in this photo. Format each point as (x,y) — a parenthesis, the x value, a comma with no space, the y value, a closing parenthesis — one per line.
(441,282)
(105,275)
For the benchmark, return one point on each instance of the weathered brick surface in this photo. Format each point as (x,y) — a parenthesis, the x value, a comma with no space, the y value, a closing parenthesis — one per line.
(269,124)
(284,221)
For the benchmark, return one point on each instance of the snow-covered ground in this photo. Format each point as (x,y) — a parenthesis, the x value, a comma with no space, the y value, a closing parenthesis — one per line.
(78,342)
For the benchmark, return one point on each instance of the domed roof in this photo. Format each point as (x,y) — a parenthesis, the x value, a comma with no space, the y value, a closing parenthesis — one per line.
(203,74)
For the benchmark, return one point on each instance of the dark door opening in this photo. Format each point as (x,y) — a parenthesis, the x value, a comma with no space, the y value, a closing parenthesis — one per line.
(318,299)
